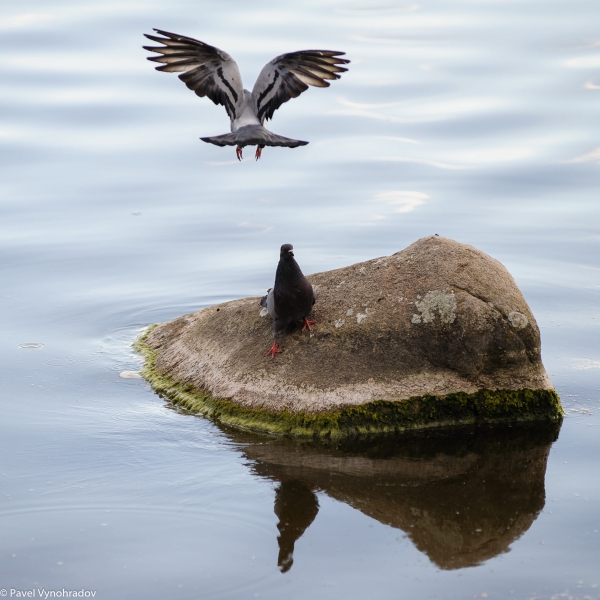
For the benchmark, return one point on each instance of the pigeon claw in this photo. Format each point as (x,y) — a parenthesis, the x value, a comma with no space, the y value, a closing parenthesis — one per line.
(307,324)
(274,350)
(259,150)
(238,153)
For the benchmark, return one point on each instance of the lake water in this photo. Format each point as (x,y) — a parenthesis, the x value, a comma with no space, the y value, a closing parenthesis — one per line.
(473,119)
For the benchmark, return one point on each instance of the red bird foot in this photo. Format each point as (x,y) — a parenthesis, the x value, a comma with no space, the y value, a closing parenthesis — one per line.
(307,324)
(238,153)
(274,350)
(258,154)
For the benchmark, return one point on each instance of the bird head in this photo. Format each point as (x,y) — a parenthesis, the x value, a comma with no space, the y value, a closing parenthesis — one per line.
(286,251)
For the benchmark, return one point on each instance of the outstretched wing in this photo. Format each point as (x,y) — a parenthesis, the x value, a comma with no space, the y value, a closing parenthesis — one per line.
(288,75)
(207,70)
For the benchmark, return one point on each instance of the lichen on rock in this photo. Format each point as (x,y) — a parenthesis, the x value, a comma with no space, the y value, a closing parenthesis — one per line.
(435,334)
(517,320)
(442,302)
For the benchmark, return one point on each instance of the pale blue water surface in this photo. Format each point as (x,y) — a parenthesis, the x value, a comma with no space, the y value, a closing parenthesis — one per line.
(474,119)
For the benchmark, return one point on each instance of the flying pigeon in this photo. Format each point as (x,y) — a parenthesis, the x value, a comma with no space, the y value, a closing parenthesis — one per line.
(290,299)
(211,72)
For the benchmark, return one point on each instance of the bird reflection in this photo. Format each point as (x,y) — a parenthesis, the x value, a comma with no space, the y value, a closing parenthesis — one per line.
(462,495)
(296,505)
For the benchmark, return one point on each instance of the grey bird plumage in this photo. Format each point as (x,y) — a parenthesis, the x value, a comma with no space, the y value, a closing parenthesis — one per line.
(291,298)
(211,72)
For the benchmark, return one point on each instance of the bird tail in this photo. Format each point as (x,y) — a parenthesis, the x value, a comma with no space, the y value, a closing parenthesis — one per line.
(227,139)
(279,140)
(253,135)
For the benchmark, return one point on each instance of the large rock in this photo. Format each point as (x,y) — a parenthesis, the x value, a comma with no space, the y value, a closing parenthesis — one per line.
(438,333)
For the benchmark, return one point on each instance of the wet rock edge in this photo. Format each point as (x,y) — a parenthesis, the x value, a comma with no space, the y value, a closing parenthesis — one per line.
(376,417)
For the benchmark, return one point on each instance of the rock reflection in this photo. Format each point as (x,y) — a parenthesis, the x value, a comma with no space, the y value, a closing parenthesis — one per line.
(462,496)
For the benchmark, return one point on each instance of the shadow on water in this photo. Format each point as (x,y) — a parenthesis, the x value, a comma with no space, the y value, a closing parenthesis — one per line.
(462,495)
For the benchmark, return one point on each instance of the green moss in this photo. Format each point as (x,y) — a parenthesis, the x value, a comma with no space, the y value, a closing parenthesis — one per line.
(380,416)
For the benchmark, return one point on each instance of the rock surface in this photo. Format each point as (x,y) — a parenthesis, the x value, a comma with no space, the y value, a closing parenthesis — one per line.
(439,318)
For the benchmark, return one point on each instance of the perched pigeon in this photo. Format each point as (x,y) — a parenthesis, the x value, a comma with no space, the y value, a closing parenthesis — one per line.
(211,72)
(291,299)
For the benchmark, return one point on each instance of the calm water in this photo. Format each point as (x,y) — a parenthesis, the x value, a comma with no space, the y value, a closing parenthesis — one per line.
(477,120)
